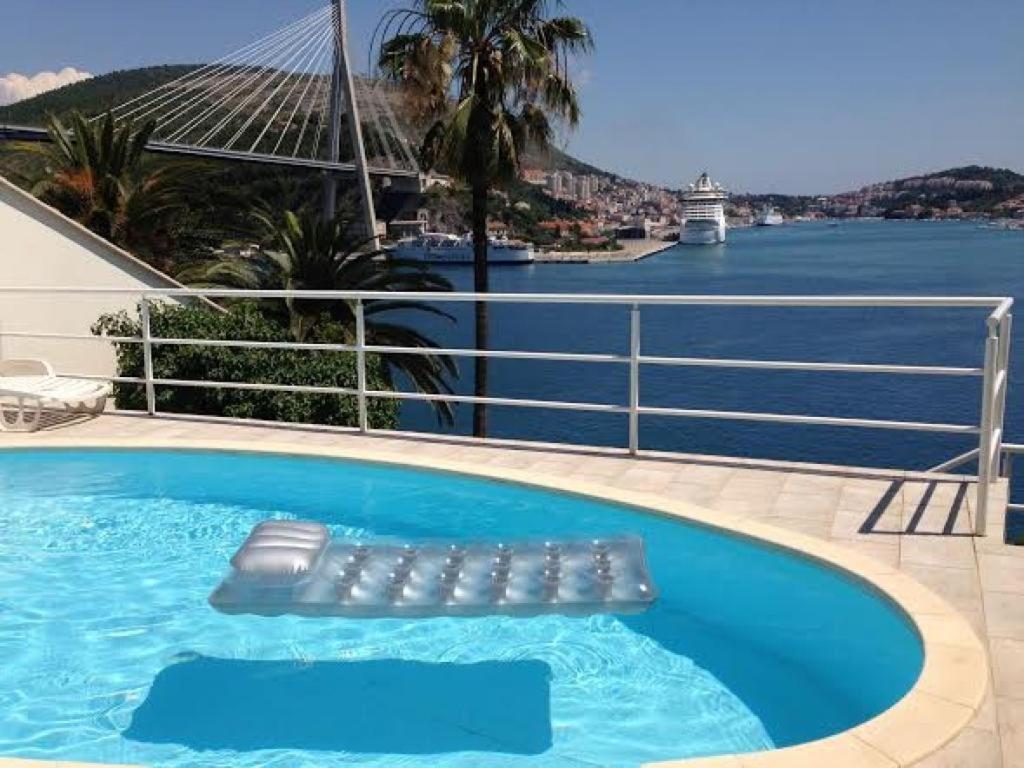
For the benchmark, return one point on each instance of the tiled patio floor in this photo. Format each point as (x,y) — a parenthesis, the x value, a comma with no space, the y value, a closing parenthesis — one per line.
(916,522)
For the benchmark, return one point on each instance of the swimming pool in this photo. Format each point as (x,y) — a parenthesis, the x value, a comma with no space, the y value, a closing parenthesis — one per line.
(112,653)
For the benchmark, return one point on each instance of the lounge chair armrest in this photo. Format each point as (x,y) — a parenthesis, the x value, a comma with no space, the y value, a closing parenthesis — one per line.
(25,367)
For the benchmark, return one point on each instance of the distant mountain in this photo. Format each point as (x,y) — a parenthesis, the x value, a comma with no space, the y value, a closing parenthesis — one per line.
(967,190)
(94,95)
(971,179)
(106,91)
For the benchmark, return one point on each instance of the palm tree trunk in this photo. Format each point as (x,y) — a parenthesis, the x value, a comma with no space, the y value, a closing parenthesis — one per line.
(480,285)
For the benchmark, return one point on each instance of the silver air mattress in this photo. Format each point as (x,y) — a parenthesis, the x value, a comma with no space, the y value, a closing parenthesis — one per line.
(287,567)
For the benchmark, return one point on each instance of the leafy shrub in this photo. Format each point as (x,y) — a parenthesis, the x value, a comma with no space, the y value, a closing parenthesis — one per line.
(230,364)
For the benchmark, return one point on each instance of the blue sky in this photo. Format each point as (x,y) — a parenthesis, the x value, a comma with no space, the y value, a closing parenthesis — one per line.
(769,95)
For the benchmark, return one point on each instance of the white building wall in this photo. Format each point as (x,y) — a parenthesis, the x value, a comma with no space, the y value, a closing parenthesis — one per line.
(40,247)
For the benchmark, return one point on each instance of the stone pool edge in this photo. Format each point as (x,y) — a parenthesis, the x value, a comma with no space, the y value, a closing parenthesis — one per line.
(944,699)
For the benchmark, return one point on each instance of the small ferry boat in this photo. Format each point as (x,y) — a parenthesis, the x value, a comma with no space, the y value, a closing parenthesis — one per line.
(703,213)
(768,217)
(438,248)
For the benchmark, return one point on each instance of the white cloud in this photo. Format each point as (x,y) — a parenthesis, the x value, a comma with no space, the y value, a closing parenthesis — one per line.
(15,87)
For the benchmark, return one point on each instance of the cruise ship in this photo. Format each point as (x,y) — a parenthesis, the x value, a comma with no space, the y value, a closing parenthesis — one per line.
(438,248)
(768,217)
(703,213)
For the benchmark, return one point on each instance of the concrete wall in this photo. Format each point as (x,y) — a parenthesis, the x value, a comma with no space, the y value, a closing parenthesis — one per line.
(40,247)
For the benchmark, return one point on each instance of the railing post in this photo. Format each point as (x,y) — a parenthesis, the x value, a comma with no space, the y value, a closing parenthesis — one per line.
(1003,367)
(634,380)
(147,356)
(985,444)
(364,421)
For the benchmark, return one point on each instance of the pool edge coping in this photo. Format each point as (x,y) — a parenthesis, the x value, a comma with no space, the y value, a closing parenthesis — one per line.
(946,696)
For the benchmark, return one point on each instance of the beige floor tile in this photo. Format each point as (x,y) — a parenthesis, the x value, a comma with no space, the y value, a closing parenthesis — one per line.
(810,482)
(985,719)
(993,543)
(1011,731)
(912,727)
(973,748)
(597,466)
(818,528)
(694,493)
(748,507)
(660,465)
(1001,573)
(957,585)
(1004,613)
(945,551)
(977,621)
(812,506)
(833,752)
(882,549)
(951,673)
(643,480)
(936,517)
(512,460)
(706,474)
(948,492)
(724,761)
(847,524)
(740,487)
(858,494)
(556,469)
(1008,667)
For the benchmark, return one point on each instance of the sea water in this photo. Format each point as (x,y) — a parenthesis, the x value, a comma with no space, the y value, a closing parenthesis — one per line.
(854,257)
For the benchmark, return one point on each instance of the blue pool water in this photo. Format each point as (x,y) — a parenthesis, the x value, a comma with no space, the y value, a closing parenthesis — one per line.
(111,653)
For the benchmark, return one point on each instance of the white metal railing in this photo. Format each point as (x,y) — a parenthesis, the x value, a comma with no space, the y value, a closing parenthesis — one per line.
(1010,452)
(994,372)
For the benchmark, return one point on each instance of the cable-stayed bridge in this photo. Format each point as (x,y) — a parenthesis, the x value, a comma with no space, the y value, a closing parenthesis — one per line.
(289,98)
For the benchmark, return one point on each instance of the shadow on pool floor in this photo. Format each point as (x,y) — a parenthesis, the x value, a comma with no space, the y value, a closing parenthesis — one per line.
(379,707)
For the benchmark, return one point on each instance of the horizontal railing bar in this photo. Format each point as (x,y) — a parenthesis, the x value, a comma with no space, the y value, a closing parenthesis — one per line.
(513,402)
(781,365)
(948,302)
(96,377)
(957,461)
(295,345)
(590,407)
(583,357)
(294,388)
(1015,507)
(1014,448)
(828,421)
(786,365)
(69,336)
(501,354)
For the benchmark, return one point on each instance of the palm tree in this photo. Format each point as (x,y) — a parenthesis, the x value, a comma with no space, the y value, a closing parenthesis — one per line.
(490,76)
(96,175)
(303,252)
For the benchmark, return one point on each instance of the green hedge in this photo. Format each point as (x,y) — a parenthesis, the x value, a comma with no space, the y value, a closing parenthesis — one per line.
(265,366)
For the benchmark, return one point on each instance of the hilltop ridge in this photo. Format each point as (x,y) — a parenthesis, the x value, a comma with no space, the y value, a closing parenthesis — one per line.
(963,191)
(104,92)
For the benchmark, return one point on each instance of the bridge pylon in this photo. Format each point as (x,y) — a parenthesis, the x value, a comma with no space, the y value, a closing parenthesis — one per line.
(292,99)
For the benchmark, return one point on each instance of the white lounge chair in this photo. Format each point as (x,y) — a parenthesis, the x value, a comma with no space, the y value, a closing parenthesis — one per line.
(27,386)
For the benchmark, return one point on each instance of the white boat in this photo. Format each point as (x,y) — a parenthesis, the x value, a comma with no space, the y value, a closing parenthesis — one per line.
(438,248)
(768,217)
(703,213)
